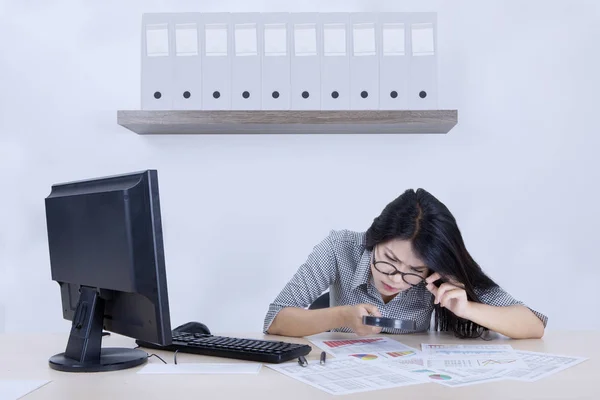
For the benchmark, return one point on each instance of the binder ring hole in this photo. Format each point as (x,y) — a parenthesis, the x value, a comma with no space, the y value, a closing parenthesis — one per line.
(275,94)
(364,94)
(246,94)
(186,94)
(216,94)
(305,95)
(423,94)
(335,94)
(157,95)
(393,94)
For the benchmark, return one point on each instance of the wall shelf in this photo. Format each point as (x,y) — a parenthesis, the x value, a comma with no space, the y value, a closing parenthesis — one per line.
(174,122)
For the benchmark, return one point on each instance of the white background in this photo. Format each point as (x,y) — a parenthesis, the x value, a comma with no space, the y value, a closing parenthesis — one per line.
(241,213)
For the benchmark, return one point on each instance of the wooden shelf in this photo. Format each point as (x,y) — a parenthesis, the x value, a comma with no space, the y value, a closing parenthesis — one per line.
(174,122)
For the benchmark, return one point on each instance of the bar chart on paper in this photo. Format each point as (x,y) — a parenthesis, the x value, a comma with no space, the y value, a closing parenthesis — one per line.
(366,349)
(340,343)
(395,354)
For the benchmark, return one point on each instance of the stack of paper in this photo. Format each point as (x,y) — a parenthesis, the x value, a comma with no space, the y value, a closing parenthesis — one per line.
(372,363)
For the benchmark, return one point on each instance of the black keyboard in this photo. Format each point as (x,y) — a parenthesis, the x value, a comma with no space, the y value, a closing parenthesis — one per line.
(259,350)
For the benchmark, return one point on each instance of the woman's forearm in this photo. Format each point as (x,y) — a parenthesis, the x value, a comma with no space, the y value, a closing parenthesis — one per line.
(292,321)
(517,321)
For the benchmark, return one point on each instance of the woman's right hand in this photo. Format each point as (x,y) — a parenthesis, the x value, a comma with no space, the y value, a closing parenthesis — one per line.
(353,318)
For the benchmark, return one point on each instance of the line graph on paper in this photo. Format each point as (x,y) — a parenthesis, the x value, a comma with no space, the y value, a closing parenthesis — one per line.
(461,356)
(468,352)
(465,363)
(485,363)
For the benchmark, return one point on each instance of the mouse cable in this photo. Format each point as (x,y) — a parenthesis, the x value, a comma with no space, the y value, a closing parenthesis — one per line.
(153,355)
(157,356)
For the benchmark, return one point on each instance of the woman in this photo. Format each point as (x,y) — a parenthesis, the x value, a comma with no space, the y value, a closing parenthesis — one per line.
(394,270)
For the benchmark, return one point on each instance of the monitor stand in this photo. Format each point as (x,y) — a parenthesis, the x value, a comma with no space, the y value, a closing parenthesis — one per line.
(84,352)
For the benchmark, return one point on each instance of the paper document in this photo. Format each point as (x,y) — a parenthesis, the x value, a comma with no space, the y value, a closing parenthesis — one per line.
(15,389)
(457,377)
(366,364)
(416,367)
(346,375)
(468,377)
(541,365)
(456,356)
(366,349)
(202,368)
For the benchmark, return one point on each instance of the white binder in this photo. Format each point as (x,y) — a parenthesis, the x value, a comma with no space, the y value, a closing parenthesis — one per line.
(422,84)
(157,63)
(246,62)
(305,62)
(335,61)
(393,61)
(216,61)
(364,62)
(276,85)
(187,64)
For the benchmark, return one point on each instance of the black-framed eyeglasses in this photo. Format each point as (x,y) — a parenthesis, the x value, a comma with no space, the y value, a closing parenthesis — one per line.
(388,269)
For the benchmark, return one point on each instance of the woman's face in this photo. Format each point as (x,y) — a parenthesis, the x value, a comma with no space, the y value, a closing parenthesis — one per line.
(398,254)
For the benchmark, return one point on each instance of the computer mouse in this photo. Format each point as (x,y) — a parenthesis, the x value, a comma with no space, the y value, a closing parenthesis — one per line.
(193,327)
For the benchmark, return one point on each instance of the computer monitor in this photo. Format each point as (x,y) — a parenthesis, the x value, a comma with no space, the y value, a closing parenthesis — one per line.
(106,253)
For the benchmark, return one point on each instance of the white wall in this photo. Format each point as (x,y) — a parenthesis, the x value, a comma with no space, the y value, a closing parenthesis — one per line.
(242,212)
(2,318)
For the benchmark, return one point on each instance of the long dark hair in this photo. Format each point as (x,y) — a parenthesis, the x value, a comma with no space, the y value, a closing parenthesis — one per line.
(419,217)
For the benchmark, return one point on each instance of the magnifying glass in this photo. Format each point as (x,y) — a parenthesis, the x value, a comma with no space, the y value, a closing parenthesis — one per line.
(385,322)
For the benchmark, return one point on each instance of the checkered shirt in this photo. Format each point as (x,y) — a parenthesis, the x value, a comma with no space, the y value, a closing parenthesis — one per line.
(341,263)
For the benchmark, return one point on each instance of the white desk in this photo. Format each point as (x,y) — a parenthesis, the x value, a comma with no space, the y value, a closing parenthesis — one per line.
(26,357)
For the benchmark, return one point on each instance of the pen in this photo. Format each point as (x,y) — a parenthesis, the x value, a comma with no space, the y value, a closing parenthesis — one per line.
(323,356)
(302,361)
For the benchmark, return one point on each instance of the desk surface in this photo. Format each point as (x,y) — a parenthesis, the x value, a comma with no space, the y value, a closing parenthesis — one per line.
(26,357)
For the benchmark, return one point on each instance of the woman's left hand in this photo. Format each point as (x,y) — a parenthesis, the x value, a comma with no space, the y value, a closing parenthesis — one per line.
(450,295)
